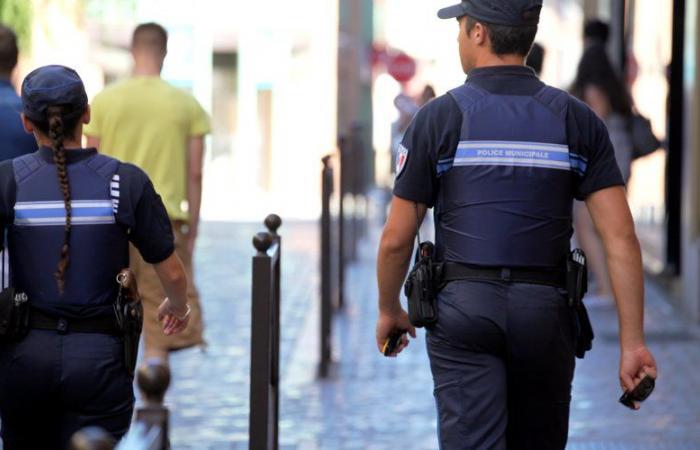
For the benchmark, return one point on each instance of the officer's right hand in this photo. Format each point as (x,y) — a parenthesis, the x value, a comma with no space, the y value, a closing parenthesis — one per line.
(390,323)
(174,319)
(635,364)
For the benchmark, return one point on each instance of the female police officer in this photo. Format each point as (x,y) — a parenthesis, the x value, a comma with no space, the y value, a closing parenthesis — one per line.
(70,214)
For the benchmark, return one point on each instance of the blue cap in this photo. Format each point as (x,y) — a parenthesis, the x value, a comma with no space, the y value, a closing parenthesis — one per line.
(52,86)
(513,13)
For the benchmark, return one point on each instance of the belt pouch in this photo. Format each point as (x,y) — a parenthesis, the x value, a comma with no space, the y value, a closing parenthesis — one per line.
(14,314)
(577,286)
(129,312)
(420,288)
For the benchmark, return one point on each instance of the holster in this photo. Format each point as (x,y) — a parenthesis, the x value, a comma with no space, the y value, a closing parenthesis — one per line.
(577,286)
(14,315)
(421,287)
(129,313)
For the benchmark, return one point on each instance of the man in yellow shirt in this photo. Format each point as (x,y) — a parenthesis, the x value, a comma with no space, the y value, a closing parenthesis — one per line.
(146,121)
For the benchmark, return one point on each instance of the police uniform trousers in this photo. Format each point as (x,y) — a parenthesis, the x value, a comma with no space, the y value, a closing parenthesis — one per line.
(502,358)
(52,385)
(152,295)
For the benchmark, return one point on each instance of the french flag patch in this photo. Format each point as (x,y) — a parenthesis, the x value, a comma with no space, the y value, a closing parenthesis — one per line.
(401,157)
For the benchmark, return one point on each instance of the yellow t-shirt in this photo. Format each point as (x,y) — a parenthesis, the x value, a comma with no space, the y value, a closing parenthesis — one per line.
(148,122)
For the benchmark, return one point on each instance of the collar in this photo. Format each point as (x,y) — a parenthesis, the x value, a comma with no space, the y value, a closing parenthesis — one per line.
(509,71)
(72,154)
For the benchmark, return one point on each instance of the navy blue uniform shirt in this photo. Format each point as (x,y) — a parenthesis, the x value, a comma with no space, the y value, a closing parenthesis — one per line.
(14,141)
(141,212)
(499,227)
(435,131)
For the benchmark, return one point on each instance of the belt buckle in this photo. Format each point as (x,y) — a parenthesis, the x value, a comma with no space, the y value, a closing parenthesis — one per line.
(506,274)
(62,326)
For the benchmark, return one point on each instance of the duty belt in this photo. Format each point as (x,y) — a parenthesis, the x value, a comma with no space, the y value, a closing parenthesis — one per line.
(456,272)
(42,321)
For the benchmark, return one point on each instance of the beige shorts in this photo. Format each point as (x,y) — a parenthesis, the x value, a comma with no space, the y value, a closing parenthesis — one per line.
(152,294)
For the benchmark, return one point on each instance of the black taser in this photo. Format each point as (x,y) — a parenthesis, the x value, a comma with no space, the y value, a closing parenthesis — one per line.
(577,286)
(576,277)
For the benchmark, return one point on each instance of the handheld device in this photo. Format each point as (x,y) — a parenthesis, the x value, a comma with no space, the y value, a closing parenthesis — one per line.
(392,343)
(640,393)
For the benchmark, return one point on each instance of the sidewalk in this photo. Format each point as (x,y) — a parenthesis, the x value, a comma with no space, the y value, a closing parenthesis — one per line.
(377,403)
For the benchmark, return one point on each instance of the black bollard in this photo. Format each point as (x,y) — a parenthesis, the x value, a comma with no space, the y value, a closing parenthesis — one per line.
(326,269)
(153,379)
(265,339)
(342,149)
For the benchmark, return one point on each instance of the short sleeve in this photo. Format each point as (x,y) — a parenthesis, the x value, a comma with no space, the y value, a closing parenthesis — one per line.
(199,124)
(8,192)
(593,153)
(93,129)
(433,133)
(145,215)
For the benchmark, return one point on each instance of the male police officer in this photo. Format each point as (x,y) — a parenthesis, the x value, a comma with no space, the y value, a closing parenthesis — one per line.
(501,159)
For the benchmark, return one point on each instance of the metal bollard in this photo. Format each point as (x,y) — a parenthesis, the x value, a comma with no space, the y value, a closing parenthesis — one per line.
(153,379)
(265,339)
(342,148)
(326,268)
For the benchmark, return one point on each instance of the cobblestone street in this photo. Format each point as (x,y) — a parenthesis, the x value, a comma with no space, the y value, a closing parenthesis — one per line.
(377,403)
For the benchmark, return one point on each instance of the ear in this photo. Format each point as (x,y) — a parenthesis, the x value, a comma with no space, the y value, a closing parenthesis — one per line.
(28,126)
(479,34)
(86,115)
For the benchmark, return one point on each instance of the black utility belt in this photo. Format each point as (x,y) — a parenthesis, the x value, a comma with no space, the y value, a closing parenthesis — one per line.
(456,272)
(103,325)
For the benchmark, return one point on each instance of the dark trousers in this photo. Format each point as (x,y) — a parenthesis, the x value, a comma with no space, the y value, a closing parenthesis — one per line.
(502,357)
(52,385)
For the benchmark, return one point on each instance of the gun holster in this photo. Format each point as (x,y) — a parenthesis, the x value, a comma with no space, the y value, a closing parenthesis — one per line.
(577,286)
(14,315)
(421,287)
(129,314)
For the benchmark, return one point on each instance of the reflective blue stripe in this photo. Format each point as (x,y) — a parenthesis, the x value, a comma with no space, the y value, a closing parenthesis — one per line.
(516,154)
(56,212)
(491,152)
(84,212)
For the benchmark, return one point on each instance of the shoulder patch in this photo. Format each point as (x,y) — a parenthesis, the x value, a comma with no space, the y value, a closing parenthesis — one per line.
(401,157)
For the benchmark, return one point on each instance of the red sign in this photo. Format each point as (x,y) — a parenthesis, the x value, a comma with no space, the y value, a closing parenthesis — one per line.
(402,67)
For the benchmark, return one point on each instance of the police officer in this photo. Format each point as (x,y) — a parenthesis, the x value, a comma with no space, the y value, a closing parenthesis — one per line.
(70,214)
(501,159)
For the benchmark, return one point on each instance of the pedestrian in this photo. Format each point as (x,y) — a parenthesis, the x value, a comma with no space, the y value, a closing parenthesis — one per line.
(501,159)
(70,214)
(595,32)
(601,88)
(14,141)
(146,121)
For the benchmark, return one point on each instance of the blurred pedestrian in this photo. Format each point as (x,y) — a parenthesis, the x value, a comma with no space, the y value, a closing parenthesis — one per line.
(146,121)
(14,141)
(595,32)
(407,107)
(501,159)
(70,214)
(601,88)
(427,95)
(535,59)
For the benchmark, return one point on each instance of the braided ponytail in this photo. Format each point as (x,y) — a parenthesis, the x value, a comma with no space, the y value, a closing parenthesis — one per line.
(57,134)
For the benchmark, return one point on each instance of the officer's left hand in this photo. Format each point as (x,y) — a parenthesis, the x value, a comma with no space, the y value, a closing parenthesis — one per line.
(635,364)
(390,323)
(174,321)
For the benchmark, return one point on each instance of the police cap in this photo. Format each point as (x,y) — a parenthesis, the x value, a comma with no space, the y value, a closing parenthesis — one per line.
(513,13)
(52,86)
